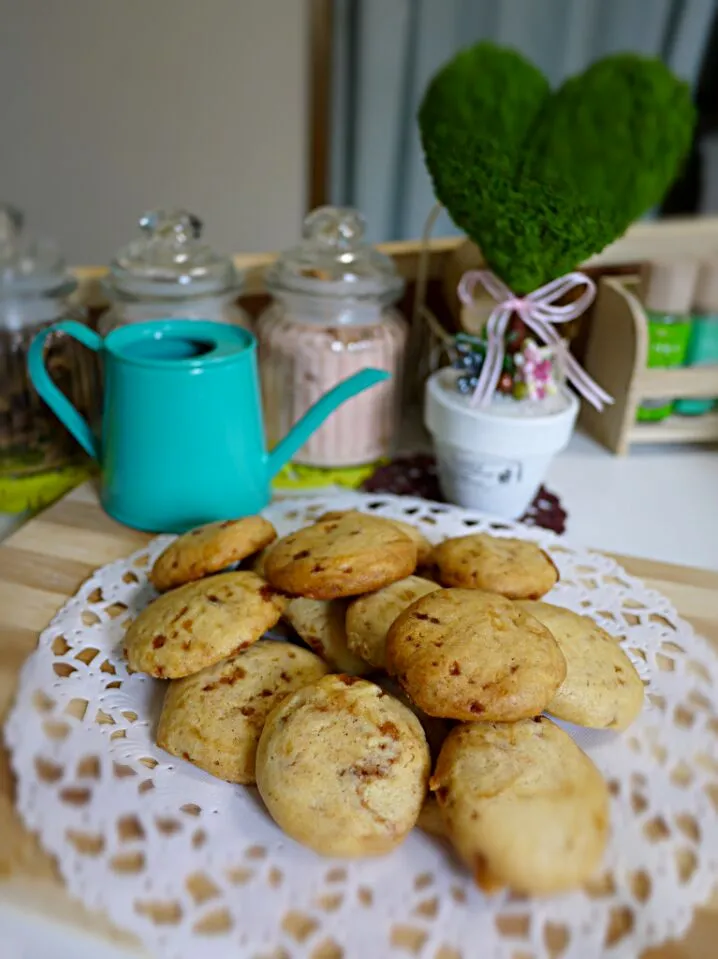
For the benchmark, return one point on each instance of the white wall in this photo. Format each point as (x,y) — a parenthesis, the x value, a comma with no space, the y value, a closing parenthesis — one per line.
(111,107)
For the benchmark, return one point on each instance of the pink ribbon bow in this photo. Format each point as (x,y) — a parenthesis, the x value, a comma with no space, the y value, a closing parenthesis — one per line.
(539,311)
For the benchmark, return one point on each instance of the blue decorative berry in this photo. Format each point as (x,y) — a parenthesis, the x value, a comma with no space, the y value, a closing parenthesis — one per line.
(467,384)
(469,353)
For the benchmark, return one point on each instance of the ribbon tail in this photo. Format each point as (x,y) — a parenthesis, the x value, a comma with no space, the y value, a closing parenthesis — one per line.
(575,373)
(493,361)
(465,289)
(584,383)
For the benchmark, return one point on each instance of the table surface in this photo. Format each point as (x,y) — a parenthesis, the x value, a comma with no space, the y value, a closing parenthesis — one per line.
(660,501)
(45,561)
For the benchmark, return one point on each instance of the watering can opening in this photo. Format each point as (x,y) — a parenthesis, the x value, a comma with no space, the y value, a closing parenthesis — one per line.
(163,343)
(168,348)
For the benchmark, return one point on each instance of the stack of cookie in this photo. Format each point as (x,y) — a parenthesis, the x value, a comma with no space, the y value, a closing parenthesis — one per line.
(464,659)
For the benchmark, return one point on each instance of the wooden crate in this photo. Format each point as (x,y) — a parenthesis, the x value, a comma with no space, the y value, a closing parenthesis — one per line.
(682,237)
(448,258)
(616,338)
(616,356)
(253,267)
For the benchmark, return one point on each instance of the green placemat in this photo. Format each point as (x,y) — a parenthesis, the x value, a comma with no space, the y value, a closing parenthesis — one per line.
(34,492)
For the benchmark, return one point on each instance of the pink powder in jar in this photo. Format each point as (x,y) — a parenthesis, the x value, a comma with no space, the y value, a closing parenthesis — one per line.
(301,361)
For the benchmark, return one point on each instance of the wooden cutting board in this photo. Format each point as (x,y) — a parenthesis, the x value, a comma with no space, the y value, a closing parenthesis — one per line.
(45,562)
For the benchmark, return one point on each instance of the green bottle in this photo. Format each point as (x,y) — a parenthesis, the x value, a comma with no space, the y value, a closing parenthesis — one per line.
(666,291)
(703,345)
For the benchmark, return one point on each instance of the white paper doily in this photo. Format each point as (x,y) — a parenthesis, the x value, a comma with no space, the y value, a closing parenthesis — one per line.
(195,866)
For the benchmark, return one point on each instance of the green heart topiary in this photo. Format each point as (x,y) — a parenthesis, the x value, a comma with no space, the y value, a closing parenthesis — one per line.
(542,180)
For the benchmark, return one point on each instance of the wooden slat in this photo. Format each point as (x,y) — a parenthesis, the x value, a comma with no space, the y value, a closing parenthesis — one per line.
(660,239)
(705,626)
(692,236)
(16,643)
(689,600)
(71,542)
(677,429)
(56,573)
(26,606)
(253,266)
(615,356)
(42,565)
(688,381)
(655,569)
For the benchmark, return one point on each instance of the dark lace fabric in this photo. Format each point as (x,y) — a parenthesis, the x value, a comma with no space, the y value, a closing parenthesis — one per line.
(415,475)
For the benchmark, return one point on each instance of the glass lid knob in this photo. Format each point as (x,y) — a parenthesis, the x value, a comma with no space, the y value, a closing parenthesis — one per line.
(334,226)
(177,226)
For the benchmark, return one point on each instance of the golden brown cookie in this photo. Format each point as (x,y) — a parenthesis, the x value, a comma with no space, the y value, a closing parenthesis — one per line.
(214,718)
(423,546)
(257,561)
(430,819)
(283,629)
(522,805)
(435,729)
(469,655)
(369,617)
(602,688)
(342,767)
(320,623)
(346,556)
(196,625)
(209,549)
(514,568)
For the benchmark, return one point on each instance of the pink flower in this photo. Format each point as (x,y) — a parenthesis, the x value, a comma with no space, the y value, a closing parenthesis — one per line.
(535,368)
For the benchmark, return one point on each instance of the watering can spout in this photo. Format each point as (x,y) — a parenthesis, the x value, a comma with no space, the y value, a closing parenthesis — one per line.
(315,415)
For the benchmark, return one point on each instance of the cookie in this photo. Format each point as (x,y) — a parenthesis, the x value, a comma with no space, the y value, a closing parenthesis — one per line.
(196,625)
(515,568)
(424,548)
(256,562)
(209,549)
(602,688)
(214,718)
(523,805)
(430,819)
(470,655)
(320,624)
(369,617)
(436,730)
(346,556)
(343,768)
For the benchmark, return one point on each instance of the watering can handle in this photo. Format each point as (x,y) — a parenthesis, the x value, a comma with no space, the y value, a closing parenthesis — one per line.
(55,398)
(315,415)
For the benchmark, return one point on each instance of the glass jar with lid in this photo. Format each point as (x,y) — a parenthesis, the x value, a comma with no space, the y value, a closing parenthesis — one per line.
(38,457)
(332,314)
(169,271)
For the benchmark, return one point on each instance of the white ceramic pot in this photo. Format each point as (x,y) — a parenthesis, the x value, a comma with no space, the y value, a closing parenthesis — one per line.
(494,458)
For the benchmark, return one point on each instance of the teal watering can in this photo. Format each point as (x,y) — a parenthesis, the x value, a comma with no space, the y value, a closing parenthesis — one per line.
(182,441)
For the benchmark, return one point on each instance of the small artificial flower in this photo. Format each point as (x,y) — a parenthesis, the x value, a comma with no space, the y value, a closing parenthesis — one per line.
(535,370)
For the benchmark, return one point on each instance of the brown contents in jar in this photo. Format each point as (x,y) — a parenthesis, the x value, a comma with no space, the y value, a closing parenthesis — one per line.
(32,439)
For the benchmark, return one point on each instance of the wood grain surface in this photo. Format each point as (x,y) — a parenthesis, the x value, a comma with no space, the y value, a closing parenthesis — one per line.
(45,562)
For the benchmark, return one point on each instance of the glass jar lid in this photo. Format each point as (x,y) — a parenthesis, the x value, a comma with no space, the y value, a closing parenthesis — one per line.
(170,260)
(29,267)
(334,260)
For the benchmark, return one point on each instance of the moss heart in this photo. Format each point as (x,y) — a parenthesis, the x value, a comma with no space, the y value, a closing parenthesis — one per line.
(542,180)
